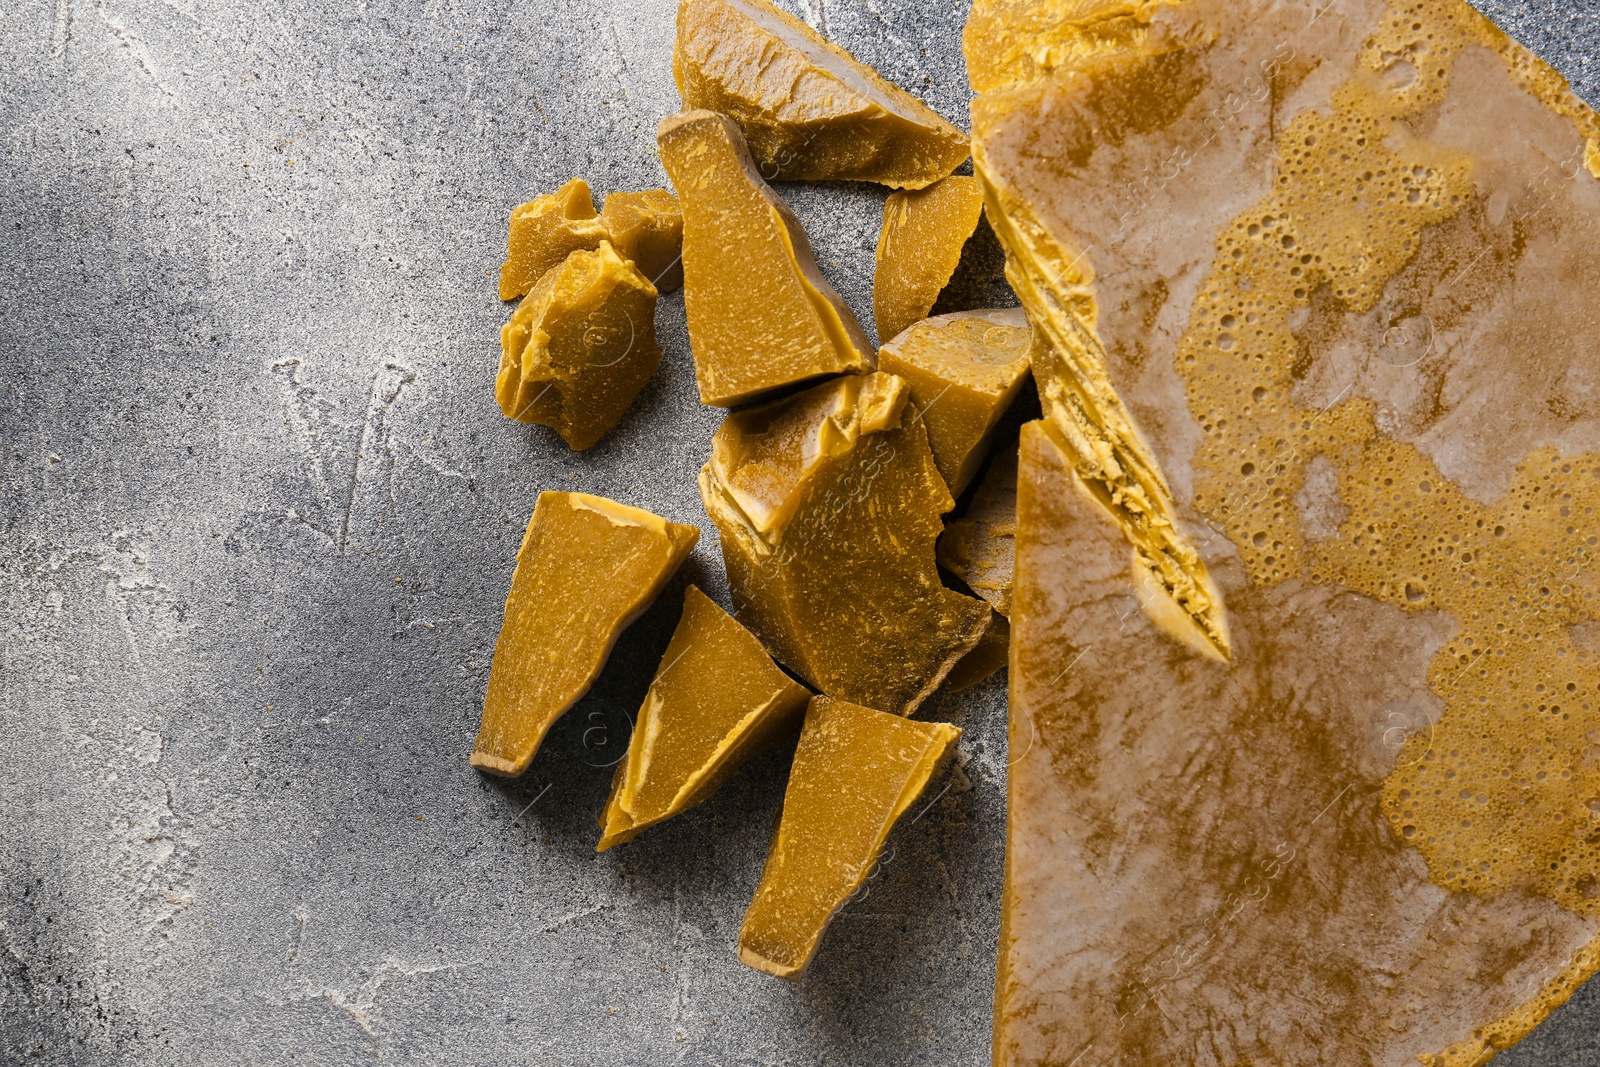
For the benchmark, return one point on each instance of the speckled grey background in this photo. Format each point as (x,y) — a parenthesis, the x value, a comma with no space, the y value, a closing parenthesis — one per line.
(260,512)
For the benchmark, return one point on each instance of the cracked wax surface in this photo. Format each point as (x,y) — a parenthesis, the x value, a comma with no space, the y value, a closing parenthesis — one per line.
(261,514)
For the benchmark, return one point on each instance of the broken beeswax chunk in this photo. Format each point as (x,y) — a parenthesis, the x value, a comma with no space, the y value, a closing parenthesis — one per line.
(587,568)
(580,347)
(807,107)
(855,772)
(919,247)
(647,227)
(760,314)
(716,699)
(644,227)
(964,371)
(544,231)
(1303,656)
(980,547)
(828,504)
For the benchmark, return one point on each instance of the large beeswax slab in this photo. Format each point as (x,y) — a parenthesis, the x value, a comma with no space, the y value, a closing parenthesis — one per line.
(1303,687)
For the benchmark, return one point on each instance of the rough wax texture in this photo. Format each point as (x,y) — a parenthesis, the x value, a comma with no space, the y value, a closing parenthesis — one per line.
(761,316)
(579,347)
(855,772)
(919,247)
(647,227)
(807,107)
(644,227)
(828,505)
(717,699)
(1319,288)
(964,371)
(586,569)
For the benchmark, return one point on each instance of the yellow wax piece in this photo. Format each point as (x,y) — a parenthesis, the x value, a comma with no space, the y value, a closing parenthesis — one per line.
(717,698)
(964,371)
(808,108)
(644,227)
(856,771)
(919,247)
(647,227)
(980,547)
(1304,666)
(987,657)
(587,568)
(760,314)
(828,505)
(579,347)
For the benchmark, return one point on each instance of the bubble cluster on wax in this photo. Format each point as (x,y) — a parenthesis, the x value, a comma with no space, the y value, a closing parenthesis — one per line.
(1505,790)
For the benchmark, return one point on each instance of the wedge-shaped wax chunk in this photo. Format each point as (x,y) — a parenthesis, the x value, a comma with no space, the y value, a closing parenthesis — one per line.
(587,568)
(856,771)
(980,547)
(964,370)
(716,699)
(579,347)
(828,504)
(1303,653)
(760,314)
(919,247)
(644,227)
(808,108)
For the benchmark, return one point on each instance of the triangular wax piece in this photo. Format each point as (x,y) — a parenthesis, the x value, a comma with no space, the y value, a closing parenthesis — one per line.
(856,772)
(717,698)
(761,316)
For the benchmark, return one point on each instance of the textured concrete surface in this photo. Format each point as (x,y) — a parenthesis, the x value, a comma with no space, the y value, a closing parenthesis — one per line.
(260,512)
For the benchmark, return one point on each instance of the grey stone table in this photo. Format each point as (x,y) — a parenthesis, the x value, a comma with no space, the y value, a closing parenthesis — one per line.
(259,517)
